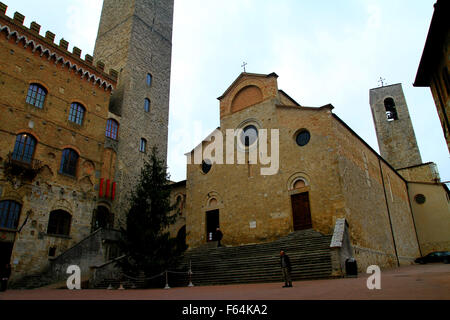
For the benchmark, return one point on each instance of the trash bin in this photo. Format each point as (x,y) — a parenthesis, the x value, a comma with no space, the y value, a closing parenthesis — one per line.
(351,268)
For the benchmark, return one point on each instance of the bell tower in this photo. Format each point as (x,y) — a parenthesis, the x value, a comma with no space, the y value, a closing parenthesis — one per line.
(135,38)
(394,129)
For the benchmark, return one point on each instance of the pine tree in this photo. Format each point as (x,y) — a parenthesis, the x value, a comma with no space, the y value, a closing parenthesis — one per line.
(146,241)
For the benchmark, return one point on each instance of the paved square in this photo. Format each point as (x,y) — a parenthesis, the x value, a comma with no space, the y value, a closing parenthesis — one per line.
(422,282)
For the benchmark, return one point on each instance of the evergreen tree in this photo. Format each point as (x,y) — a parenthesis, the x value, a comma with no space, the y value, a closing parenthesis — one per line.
(146,241)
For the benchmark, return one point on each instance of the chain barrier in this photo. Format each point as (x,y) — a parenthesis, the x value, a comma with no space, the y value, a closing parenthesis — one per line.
(166,273)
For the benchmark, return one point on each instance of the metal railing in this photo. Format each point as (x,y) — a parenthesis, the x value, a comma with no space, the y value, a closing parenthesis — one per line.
(18,160)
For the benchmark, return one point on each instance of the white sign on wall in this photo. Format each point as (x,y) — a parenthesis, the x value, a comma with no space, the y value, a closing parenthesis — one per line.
(252,224)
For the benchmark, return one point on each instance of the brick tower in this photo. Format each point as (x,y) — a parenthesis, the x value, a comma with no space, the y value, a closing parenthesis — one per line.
(135,38)
(395,132)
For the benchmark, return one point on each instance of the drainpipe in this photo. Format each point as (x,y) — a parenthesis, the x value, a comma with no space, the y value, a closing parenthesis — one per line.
(389,213)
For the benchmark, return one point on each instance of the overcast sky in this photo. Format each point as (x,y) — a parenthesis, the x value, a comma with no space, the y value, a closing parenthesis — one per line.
(324,51)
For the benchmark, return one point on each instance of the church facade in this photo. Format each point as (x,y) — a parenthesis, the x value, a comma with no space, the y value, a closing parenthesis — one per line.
(326,171)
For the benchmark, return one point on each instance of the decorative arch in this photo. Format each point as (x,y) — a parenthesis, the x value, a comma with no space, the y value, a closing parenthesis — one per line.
(30,132)
(213,200)
(64,205)
(39,82)
(69,146)
(13,196)
(294,182)
(245,97)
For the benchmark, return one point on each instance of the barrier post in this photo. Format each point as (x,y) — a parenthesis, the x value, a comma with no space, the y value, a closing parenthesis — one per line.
(167,281)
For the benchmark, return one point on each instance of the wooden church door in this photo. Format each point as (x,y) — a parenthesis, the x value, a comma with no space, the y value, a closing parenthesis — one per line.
(300,211)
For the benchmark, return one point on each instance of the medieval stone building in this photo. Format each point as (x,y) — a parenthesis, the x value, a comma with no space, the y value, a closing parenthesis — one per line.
(74,135)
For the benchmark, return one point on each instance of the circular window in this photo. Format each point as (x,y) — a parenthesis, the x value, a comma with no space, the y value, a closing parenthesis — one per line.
(206,166)
(302,138)
(420,198)
(249,135)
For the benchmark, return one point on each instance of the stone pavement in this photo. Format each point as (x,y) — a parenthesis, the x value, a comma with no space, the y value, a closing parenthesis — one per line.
(422,282)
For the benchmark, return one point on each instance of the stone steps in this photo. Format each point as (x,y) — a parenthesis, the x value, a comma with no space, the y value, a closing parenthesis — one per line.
(308,250)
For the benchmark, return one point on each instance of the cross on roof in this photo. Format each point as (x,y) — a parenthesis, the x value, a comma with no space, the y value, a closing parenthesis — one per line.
(381,81)
(243,65)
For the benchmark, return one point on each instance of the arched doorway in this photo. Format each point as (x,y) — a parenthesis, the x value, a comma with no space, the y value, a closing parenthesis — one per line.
(212,222)
(181,239)
(102,218)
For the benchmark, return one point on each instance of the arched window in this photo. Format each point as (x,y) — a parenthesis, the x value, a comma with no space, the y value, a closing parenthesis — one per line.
(69,162)
(36,95)
(149,79)
(147,105)
(59,222)
(24,148)
(391,111)
(76,114)
(9,214)
(143,145)
(112,128)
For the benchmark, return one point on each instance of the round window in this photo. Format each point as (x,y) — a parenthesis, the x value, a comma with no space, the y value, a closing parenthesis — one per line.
(302,138)
(206,166)
(249,135)
(420,198)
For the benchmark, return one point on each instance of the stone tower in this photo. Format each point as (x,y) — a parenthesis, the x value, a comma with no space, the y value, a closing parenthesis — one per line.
(135,38)
(395,132)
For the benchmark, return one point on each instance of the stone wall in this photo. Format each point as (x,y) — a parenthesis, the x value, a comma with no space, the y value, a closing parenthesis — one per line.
(376,204)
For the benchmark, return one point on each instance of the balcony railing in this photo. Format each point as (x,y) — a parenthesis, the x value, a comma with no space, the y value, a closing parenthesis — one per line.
(22,167)
(24,162)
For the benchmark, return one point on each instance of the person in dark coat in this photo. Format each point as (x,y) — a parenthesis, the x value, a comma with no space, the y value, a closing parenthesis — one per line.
(286,269)
(219,236)
(5,273)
